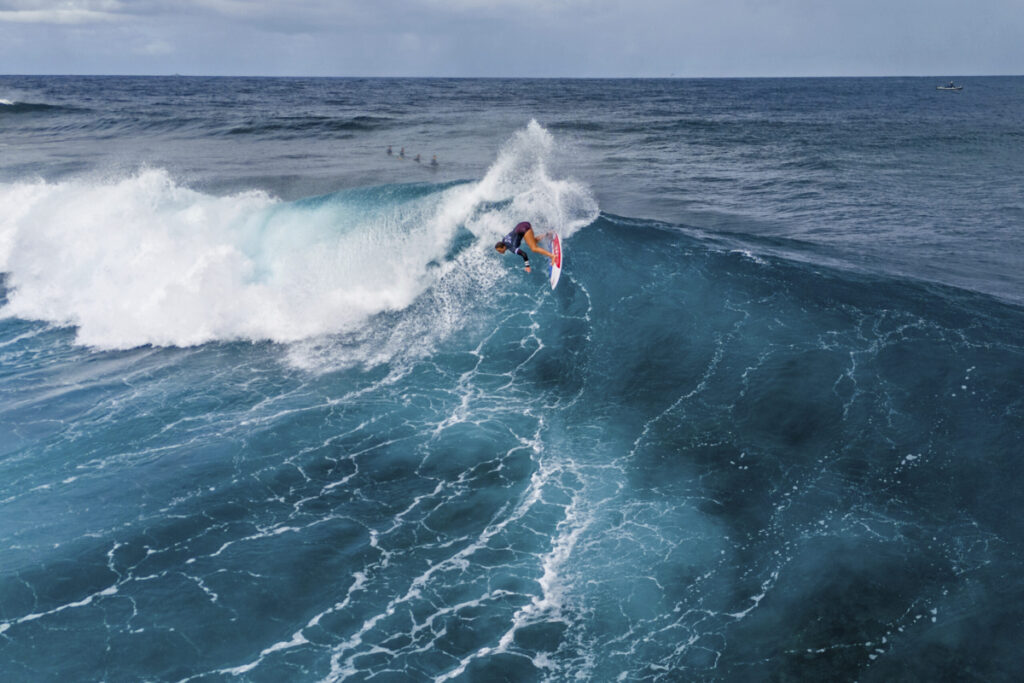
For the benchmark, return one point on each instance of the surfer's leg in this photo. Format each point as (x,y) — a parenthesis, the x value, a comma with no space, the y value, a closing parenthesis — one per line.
(531,241)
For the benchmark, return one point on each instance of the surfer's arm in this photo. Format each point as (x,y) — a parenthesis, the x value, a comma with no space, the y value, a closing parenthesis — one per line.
(526,259)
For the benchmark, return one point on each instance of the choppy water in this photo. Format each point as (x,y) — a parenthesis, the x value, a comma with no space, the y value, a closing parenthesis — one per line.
(272,408)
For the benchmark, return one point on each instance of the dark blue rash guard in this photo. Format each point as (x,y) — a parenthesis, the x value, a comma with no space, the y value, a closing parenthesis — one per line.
(515,238)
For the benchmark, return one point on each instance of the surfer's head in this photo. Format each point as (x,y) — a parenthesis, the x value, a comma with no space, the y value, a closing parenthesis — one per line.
(501,247)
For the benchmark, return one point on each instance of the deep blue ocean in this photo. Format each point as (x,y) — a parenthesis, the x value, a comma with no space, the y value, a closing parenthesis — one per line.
(273,409)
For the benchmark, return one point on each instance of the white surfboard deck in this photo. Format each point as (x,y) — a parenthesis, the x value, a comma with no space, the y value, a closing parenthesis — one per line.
(555,270)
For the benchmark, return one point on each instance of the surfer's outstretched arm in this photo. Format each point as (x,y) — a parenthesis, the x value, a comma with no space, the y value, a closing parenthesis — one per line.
(526,259)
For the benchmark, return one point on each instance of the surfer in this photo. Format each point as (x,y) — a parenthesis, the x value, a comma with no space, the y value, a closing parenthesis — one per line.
(512,241)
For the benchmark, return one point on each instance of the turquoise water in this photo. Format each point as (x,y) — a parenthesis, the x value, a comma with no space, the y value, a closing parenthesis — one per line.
(271,407)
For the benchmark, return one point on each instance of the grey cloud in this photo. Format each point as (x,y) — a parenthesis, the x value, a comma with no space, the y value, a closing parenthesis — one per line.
(68,12)
(512,37)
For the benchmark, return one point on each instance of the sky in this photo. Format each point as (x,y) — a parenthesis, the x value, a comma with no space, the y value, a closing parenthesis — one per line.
(516,38)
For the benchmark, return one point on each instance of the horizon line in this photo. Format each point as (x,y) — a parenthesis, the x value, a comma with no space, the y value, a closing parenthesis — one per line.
(564,78)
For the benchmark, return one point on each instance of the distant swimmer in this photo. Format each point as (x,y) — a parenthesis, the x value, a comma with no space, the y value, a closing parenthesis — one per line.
(389,150)
(512,241)
(433,162)
(401,153)
(417,159)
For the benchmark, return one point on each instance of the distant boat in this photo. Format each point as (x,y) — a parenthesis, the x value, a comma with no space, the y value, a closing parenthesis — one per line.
(951,86)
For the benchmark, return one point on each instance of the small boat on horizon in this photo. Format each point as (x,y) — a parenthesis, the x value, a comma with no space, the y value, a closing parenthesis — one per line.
(951,86)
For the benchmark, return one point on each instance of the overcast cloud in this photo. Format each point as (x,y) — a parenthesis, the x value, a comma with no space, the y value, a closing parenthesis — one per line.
(513,37)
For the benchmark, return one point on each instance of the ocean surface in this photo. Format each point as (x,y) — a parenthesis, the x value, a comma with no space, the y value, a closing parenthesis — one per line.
(273,409)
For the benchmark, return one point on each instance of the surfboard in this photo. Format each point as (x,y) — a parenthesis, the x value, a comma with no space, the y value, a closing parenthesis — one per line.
(555,269)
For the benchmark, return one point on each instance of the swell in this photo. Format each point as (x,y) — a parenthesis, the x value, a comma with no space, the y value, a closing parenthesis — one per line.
(16,107)
(280,129)
(295,126)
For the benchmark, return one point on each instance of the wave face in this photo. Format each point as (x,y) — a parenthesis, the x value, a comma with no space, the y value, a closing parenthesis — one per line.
(250,436)
(730,464)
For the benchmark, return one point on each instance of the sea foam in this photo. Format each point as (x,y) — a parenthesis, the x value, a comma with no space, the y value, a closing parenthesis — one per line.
(143,259)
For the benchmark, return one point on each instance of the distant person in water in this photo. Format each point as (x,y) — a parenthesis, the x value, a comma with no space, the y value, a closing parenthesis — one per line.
(433,162)
(401,153)
(417,159)
(389,150)
(523,231)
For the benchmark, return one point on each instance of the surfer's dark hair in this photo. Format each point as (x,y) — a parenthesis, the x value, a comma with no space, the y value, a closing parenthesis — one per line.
(499,245)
